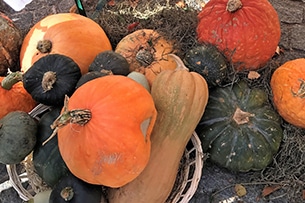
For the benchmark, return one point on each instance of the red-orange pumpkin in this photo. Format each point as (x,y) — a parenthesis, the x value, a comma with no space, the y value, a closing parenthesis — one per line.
(70,34)
(15,98)
(288,90)
(247,31)
(111,145)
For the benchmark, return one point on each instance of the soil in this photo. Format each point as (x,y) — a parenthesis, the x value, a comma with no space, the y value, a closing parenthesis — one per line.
(216,184)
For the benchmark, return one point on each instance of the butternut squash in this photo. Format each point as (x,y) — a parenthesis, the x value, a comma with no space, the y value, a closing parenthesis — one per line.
(180,97)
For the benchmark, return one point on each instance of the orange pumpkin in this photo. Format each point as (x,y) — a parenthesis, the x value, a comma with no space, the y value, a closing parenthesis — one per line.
(69,34)
(15,98)
(107,139)
(288,89)
(246,31)
(147,52)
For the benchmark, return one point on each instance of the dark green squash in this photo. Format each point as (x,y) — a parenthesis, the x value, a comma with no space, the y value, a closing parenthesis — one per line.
(51,78)
(209,62)
(90,76)
(240,129)
(47,160)
(73,190)
(110,61)
(17,137)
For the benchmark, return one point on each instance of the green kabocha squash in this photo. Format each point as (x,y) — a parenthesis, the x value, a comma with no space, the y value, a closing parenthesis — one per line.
(209,62)
(47,160)
(17,136)
(73,190)
(90,76)
(239,128)
(51,78)
(110,61)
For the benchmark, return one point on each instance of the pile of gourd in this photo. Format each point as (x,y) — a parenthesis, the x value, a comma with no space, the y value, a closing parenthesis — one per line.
(121,118)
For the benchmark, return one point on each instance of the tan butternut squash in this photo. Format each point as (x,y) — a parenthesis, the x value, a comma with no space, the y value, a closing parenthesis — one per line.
(180,97)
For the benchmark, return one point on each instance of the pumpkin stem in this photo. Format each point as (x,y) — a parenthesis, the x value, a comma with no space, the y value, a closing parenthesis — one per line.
(301,91)
(48,80)
(67,193)
(241,117)
(179,62)
(44,46)
(144,57)
(77,116)
(11,79)
(233,5)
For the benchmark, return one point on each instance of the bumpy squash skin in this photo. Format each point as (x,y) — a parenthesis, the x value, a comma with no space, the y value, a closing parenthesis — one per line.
(180,98)
(244,146)
(208,61)
(47,160)
(17,137)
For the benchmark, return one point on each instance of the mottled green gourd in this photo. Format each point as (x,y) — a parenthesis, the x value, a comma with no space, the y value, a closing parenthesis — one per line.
(17,137)
(239,128)
(209,62)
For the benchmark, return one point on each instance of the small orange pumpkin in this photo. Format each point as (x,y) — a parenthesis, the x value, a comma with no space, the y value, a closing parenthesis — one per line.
(69,34)
(288,88)
(15,98)
(147,51)
(107,137)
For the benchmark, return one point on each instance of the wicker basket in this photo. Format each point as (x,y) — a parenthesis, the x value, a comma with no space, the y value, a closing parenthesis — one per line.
(187,180)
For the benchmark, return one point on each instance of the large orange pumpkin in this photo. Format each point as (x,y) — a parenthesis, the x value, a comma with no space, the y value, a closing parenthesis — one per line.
(107,139)
(147,51)
(246,31)
(15,98)
(70,34)
(288,89)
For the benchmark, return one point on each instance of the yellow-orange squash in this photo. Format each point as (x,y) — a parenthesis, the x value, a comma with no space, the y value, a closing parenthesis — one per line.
(15,98)
(107,137)
(147,51)
(69,34)
(288,89)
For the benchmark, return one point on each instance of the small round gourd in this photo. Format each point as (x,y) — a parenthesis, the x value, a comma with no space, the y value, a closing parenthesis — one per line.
(288,90)
(209,62)
(51,78)
(17,137)
(110,61)
(239,128)
(47,160)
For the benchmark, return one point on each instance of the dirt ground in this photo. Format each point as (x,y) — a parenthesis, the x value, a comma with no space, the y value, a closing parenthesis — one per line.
(217,184)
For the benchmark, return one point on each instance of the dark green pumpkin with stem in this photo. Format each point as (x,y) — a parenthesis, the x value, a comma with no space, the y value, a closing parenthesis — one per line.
(239,128)
(51,78)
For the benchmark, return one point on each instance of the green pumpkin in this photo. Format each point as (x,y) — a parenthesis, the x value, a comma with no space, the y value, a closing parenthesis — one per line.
(110,61)
(209,62)
(240,129)
(47,160)
(17,137)
(51,78)
(74,190)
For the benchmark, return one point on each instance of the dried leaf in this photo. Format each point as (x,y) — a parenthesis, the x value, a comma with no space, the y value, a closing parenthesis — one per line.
(240,190)
(253,75)
(270,189)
